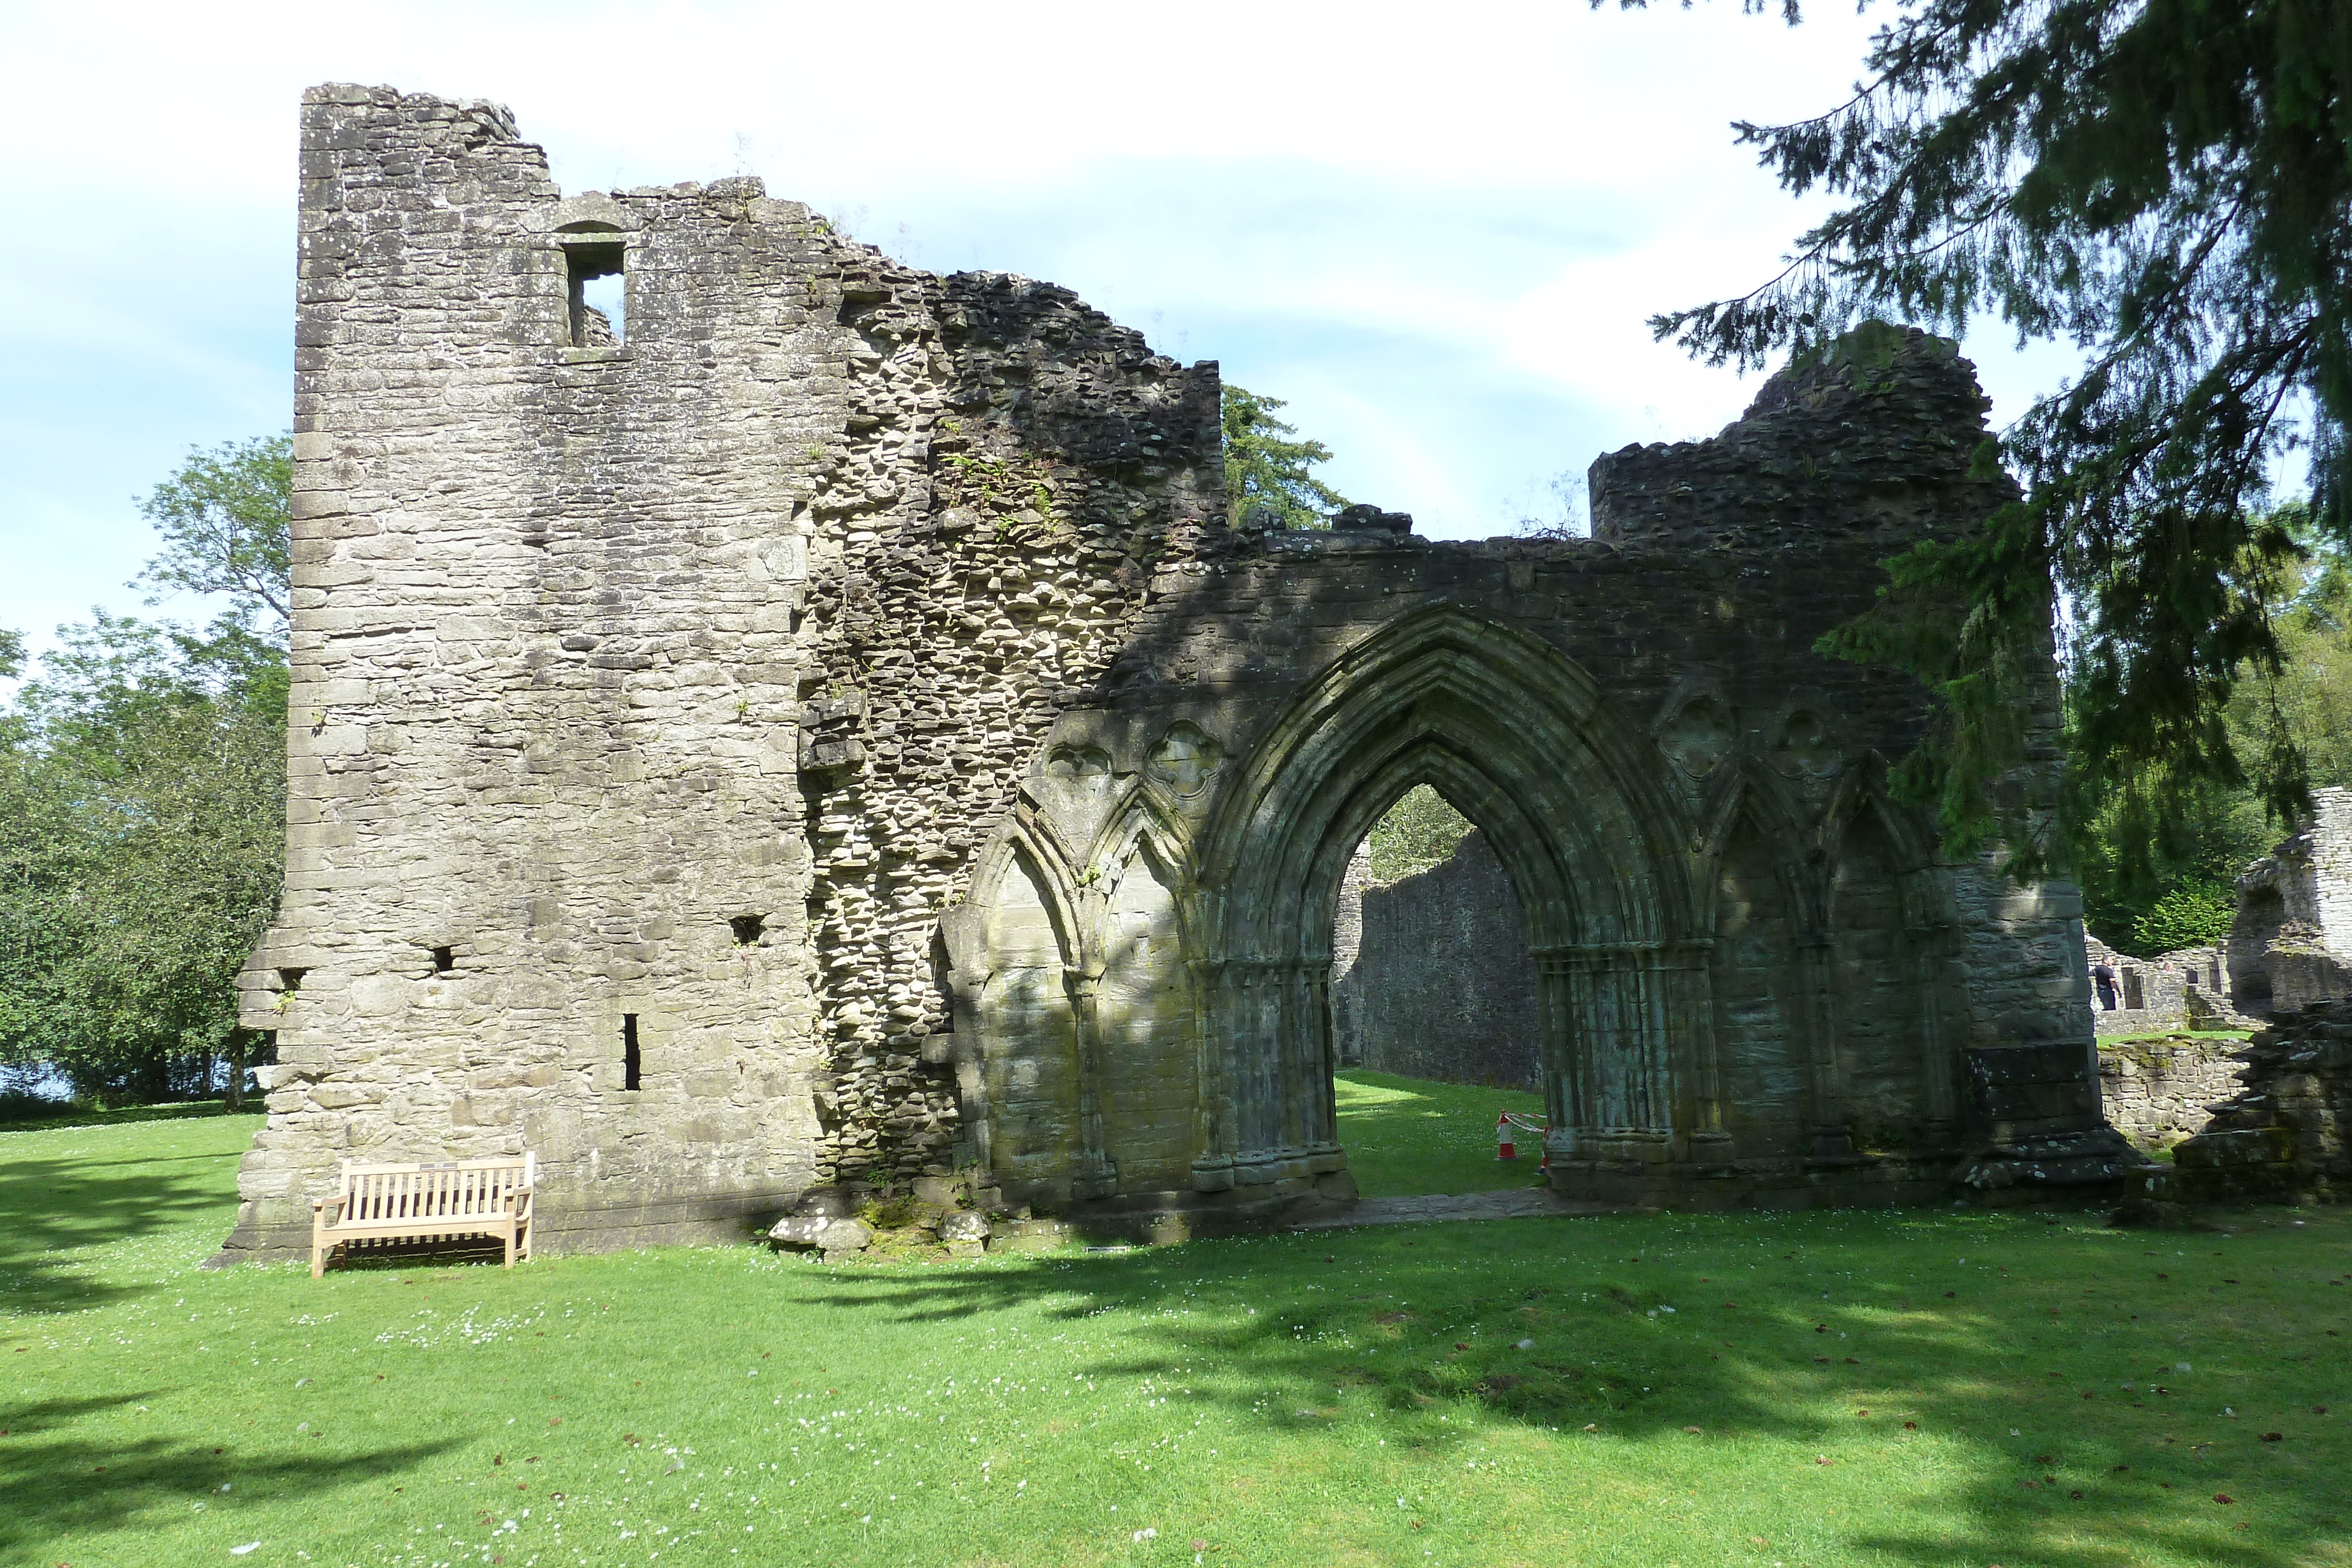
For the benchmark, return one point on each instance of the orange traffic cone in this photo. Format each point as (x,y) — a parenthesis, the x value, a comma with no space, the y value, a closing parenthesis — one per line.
(1505,1149)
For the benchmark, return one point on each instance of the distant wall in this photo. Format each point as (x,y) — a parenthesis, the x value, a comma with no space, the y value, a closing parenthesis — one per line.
(2290,943)
(2159,1091)
(1441,985)
(2186,988)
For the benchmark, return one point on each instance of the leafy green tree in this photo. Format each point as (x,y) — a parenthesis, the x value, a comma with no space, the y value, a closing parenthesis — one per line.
(143,803)
(1420,831)
(1266,469)
(2190,915)
(226,520)
(2166,185)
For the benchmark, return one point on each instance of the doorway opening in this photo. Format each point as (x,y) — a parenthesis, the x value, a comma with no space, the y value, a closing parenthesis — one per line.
(1435,1016)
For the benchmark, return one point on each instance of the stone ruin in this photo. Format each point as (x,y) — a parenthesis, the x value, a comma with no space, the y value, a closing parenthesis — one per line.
(820,727)
(2287,1135)
(2290,943)
(2182,989)
(1431,975)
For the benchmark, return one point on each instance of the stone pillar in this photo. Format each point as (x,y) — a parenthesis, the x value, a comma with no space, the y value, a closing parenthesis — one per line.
(1273,1019)
(1095,1177)
(1825,1110)
(1618,1003)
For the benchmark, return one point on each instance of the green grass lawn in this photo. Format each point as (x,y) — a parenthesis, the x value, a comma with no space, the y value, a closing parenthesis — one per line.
(1907,1388)
(1408,1136)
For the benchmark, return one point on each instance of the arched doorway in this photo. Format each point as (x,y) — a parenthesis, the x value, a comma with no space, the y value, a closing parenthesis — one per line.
(1522,741)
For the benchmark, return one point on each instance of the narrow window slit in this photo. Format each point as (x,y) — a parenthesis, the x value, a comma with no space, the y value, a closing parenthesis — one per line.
(748,928)
(290,980)
(444,960)
(632,1063)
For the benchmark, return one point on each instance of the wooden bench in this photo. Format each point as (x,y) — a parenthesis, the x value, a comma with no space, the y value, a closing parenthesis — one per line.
(421,1202)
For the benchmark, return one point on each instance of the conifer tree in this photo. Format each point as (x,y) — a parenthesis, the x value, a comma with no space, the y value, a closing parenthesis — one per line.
(1266,471)
(2167,184)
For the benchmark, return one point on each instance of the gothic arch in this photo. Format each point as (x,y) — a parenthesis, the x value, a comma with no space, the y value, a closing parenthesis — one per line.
(1757,872)
(1017,951)
(1883,987)
(1573,799)
(1750,793)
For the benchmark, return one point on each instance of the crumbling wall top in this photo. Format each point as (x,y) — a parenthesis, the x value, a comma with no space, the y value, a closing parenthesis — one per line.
(1879,435)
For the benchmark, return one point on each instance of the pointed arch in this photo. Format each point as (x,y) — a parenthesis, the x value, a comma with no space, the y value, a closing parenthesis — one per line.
(1144,819)
(1017,947)
(1861,792)
(1764,919)
(1025,842)
(1749,790)
(1573,799)
(1570,792)
(1887,919)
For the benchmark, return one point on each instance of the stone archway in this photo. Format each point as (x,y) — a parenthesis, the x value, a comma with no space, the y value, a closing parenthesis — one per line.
(1570,798)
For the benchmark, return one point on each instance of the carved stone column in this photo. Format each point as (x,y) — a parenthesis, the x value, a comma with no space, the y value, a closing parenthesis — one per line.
(1214,1124)
(1689,976)
(1620,998)
(1096,1176)
(1566,1092)
(1826,1112)
(1272,1016)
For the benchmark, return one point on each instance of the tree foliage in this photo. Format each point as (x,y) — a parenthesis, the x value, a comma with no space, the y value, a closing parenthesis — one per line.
(143,803)
(2166,185)
(1266,471)
(1420,831)
(225,522)
(2191,915)
(2161,833)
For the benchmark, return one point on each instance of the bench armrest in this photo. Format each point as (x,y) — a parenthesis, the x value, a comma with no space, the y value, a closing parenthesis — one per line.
(332,1208)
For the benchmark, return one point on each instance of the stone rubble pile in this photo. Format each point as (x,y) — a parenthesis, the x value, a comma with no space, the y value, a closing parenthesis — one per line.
(933,1218)
(2282,1137)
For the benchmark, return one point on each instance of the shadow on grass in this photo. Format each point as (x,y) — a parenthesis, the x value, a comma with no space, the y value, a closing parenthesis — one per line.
(1403,1325)
(48,1207)
(57,1485)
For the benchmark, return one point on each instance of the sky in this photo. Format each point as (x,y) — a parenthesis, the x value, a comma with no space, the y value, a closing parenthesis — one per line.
(1436,232)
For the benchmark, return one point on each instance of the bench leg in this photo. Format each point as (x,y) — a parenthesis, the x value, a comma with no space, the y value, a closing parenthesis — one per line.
(510,1243)
(318,1251)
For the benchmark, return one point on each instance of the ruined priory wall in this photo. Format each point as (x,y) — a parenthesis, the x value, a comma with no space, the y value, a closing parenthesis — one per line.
(1872,442)
(687,690)
(2159,1091)
(1867,997)
(1018,479)
(1442,985)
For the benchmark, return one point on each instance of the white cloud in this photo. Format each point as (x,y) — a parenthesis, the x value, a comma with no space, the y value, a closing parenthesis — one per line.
(1436,232)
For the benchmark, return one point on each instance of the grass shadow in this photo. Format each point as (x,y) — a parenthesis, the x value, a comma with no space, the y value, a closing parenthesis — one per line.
(52,1208)
(1667,1331)
(61,1485)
